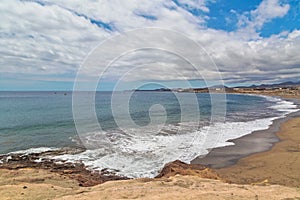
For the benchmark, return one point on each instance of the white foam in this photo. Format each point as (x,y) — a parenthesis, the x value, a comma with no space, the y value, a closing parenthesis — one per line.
(144,153)
(284,106)
(8,158)
(34,150)
(136,157)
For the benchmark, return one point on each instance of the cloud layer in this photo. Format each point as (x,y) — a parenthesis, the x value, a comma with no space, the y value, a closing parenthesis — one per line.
(48,38)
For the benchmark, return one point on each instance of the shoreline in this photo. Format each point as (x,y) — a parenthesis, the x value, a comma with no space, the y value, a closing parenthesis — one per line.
(279,165)
(268,141)
(268,171)
(219,157)
(256,142)
(262,139)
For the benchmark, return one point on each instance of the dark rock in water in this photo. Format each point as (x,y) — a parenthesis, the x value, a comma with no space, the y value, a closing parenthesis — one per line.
(77,171)
(179,167)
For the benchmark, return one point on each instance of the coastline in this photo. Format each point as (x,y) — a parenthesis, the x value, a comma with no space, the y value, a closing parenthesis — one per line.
(255,142)
(280,165)
(248,167)
(277,165)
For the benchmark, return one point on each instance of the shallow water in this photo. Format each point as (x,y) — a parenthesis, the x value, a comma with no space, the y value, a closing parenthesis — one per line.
(145,141)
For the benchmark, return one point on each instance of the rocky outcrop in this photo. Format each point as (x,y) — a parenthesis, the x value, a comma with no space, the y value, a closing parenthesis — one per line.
(179,167)
(86,177)
(77,171)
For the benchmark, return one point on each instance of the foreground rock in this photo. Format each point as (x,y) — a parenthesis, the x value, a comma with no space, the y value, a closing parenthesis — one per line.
(177,180)
(183,187)
(178,167)
(85,177)
(76,171)
(39,184)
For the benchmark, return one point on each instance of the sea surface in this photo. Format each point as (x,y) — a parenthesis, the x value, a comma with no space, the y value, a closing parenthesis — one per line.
(155,135)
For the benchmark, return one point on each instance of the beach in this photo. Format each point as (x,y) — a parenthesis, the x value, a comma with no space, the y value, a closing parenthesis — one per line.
(262,165)
(160,100)
(280,165)
(257,141)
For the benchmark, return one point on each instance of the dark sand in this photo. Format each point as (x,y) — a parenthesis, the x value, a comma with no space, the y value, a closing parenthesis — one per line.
(257,141)
(280,165)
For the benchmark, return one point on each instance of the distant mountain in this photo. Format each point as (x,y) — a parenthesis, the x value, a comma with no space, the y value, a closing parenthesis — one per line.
(218,86)
(153,90)
(277,85)
(284,84)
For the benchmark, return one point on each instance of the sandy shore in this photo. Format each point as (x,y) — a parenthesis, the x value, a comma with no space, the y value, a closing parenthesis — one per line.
(280,165)
(272,174)
(256,142)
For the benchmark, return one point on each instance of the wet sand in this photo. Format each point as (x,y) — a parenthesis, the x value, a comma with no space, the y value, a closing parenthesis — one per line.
(280,165)
(258,141)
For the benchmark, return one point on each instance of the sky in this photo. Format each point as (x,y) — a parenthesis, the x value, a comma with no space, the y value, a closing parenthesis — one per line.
(44,43)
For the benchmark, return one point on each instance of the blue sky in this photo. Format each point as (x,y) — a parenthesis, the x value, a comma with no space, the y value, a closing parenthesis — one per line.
(224,15)
(44,43)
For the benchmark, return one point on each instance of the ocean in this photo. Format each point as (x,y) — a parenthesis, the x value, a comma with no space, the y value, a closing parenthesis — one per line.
(142,142)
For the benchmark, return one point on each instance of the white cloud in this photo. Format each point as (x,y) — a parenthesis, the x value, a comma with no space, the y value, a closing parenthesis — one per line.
(195,4)
(40,39)
(294,35)
(268,10)
(53,37)
(254,20)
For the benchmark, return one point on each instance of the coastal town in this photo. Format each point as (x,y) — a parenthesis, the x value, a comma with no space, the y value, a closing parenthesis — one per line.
(286,89)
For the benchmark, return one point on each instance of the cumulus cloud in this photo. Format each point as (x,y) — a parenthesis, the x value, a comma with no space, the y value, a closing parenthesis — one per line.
(53,37)
(193,4)
(43,39)
(253,20)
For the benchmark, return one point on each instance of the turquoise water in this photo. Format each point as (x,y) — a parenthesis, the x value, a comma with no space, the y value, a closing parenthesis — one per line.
(44,119)
(149,135)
